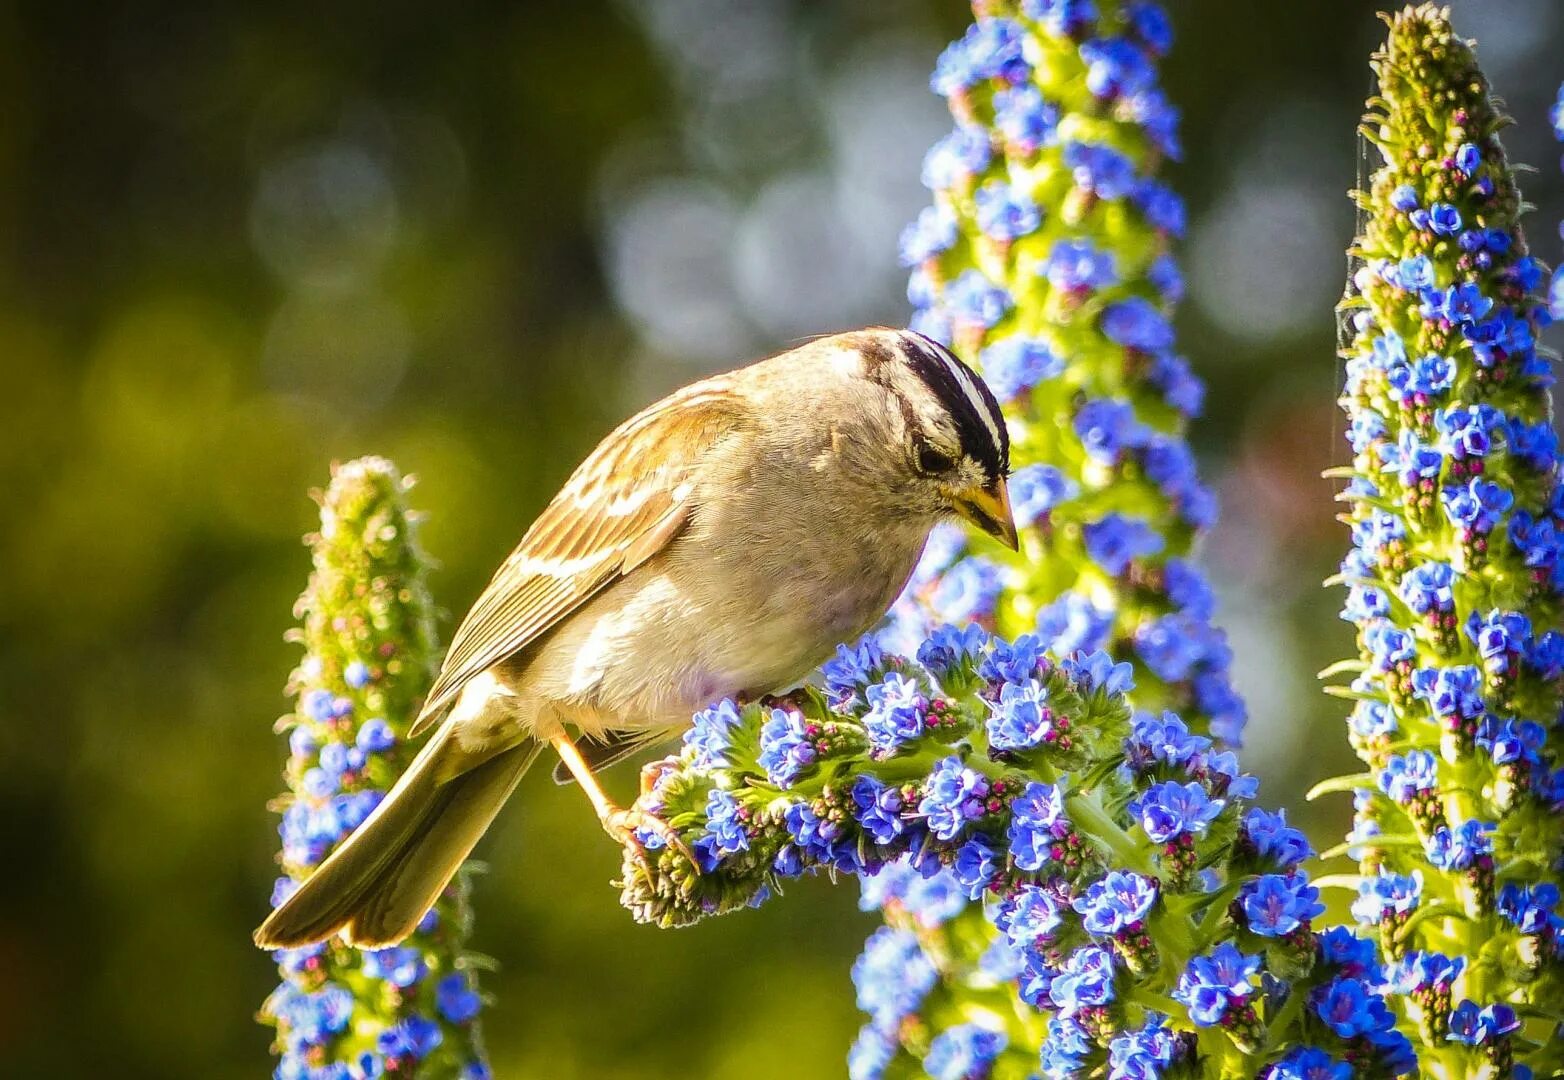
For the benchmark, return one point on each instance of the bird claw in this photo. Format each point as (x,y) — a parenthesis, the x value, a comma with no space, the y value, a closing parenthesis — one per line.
(623,824)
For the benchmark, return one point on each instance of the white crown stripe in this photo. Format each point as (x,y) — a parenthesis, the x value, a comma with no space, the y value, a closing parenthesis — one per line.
(975,396)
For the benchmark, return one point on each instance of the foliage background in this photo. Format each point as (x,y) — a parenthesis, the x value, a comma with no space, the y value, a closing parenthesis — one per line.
(239,242)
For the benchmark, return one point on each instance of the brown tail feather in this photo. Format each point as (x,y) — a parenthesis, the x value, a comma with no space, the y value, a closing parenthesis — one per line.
(385,876)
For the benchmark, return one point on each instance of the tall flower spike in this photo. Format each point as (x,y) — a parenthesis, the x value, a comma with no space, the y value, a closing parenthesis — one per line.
(1147,919)
(1047,206)
(368,635)
(1454,575)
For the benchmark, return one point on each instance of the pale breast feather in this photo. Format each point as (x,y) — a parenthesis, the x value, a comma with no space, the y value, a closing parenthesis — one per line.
(621,506)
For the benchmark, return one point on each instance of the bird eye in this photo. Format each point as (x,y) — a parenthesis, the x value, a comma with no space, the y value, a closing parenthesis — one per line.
(932,461)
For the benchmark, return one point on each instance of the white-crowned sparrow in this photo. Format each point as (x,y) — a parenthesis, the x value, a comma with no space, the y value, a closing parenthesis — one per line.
(722,542)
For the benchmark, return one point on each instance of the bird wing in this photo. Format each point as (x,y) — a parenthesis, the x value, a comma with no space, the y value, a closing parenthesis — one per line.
(621,506)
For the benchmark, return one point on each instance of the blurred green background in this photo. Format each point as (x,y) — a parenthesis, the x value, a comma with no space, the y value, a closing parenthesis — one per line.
(240,241)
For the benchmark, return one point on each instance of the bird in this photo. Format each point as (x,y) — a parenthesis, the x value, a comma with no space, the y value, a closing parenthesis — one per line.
(720,543)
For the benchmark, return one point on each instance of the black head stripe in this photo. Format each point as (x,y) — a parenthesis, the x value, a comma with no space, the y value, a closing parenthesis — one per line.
(971,404)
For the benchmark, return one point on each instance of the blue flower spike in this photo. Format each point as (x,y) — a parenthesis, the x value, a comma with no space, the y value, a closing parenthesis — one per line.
(1455,578)
(1134,899)
(368,636)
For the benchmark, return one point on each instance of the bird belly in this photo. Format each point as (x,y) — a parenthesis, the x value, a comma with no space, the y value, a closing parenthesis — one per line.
(660,644)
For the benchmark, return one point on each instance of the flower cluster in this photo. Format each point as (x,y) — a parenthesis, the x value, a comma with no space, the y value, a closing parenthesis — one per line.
(1150,914)
(1045,260)
(1455,572)
(343,1014)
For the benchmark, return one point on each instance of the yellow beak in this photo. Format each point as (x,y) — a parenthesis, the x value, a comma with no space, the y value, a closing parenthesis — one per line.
(989,509)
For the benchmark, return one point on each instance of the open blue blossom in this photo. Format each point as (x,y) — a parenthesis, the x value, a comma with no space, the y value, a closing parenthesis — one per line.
(1020,718)
(1213,984)
(785,747)
(1171,810)
(1276,905)
(963,1052)
(1118,902)
(1115,541)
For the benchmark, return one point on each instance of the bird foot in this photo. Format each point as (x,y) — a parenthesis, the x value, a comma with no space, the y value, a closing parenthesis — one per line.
(623,825)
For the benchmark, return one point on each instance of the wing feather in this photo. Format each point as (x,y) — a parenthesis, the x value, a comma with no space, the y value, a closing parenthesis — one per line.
(613,514)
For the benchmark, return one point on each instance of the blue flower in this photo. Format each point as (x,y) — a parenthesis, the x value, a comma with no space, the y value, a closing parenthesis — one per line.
(1115,541)
(877,807)
(963,1052)
(1164,739)
(854,666)
(896,707)
(1429,587)
(1020,719)
(725,833)
(1098,671)
(1387,893)
(1106,427)
(1421,971)
(1404,198)
(1085,979)
(1028,915)
(1025,118)
(1274,839)
(1143,1053)
(1416,273)
(785,747)
(962,153)
(1079,266)
(1014,365)
(953,795)
(1346,953)
(1350,1008)
(975,300)
(1472,1026)
(1013,661)
(948,646)
(975,866)
(1164,211)
(1116,68)
(1170,810)
(1405,778)
(1211,984)
(1451,692)
(1117,902)
(1074,623)
(892,976)
(1458,848)
(1067,18)
(415,1037)
(1530,907)
(455,998)
(1035,815)
(1276,905)
(872,1051)
(1005,214)
(968,590)
(1478,506)
(1165,277)
(375,737)
(1309,1063)
(1137,323)
(710,734)
(1037,489)
(1468,159)
(1444,219)
(934,231)
(815,836)
(1099,169)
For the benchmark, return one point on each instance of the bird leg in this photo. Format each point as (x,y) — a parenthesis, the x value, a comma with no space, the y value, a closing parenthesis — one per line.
(619,823)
